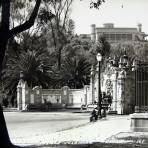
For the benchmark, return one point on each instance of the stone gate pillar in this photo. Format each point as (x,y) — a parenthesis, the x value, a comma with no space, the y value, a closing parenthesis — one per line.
(23,95)
(125,92)
(121,92)
(114,92)
(86,94)
(19,95)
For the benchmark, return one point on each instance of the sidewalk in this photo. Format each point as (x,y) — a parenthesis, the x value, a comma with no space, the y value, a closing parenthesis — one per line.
(113,129)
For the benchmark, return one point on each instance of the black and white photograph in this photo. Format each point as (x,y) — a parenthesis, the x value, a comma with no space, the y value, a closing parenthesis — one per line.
(73,74)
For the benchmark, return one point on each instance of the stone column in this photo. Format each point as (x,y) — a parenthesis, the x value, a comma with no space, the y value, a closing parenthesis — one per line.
(25,96)
(120,93)
(86,91)
(114,99)
(19,95)
(65,95)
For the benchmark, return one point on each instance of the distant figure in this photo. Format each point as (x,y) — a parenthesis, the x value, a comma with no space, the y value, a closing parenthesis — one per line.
(5,102)
(109,98)
(45,101)
(95,102)
(94,115)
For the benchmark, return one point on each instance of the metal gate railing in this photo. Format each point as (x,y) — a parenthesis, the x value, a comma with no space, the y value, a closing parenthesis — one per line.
(141,87)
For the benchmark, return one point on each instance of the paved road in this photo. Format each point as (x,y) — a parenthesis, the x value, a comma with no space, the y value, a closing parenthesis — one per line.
(24,124)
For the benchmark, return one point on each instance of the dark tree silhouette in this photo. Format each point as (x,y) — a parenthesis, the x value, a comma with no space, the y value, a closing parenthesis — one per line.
(5,34)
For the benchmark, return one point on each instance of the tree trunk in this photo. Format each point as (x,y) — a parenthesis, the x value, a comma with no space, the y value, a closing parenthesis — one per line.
(3,44)
(4,136)
(6,34)
(59,58)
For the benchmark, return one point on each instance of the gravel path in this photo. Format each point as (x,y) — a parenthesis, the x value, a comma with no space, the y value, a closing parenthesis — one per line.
(99,131)
(112,132)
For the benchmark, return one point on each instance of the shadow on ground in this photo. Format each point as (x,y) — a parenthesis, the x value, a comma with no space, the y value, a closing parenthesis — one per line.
(120,140)
(96,145)
(125,140)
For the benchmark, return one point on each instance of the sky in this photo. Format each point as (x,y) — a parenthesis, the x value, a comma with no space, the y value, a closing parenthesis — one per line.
(123,13)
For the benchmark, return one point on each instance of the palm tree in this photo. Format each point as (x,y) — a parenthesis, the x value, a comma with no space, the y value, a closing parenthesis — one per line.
(35,67)
(102,46)
(74,73)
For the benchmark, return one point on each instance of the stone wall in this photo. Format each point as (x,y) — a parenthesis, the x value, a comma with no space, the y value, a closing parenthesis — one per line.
(65,96)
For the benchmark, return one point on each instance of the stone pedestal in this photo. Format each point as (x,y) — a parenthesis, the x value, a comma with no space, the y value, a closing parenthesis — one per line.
(139,122)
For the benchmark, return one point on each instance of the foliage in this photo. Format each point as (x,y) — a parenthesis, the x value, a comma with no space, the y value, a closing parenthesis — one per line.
(134,50)
(60,27)
(74,73)
(77,47)
(96,3)
(33,64)
(103,47)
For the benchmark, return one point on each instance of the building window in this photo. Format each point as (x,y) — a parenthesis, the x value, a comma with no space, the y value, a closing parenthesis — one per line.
(112,37)
(129,36)
(118,37)
(124,37)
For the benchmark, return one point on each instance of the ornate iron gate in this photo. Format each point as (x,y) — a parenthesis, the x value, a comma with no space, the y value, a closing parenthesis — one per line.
(141,87)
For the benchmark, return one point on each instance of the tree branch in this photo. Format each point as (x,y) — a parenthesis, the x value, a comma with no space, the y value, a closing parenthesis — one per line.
(29,23)
(53,34)
(66,12)
(62,7)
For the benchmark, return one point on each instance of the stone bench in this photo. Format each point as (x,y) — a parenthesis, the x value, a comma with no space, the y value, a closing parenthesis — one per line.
(139,122)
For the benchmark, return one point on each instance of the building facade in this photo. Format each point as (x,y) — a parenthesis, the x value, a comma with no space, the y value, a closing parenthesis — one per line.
(115,34)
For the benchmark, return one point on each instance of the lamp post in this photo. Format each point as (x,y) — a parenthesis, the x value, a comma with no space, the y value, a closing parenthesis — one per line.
(99,59)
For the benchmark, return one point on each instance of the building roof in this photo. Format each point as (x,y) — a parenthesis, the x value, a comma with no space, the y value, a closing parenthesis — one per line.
(128,30)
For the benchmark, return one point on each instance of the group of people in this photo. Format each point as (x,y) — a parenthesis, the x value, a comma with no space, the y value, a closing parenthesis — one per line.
(106,101)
